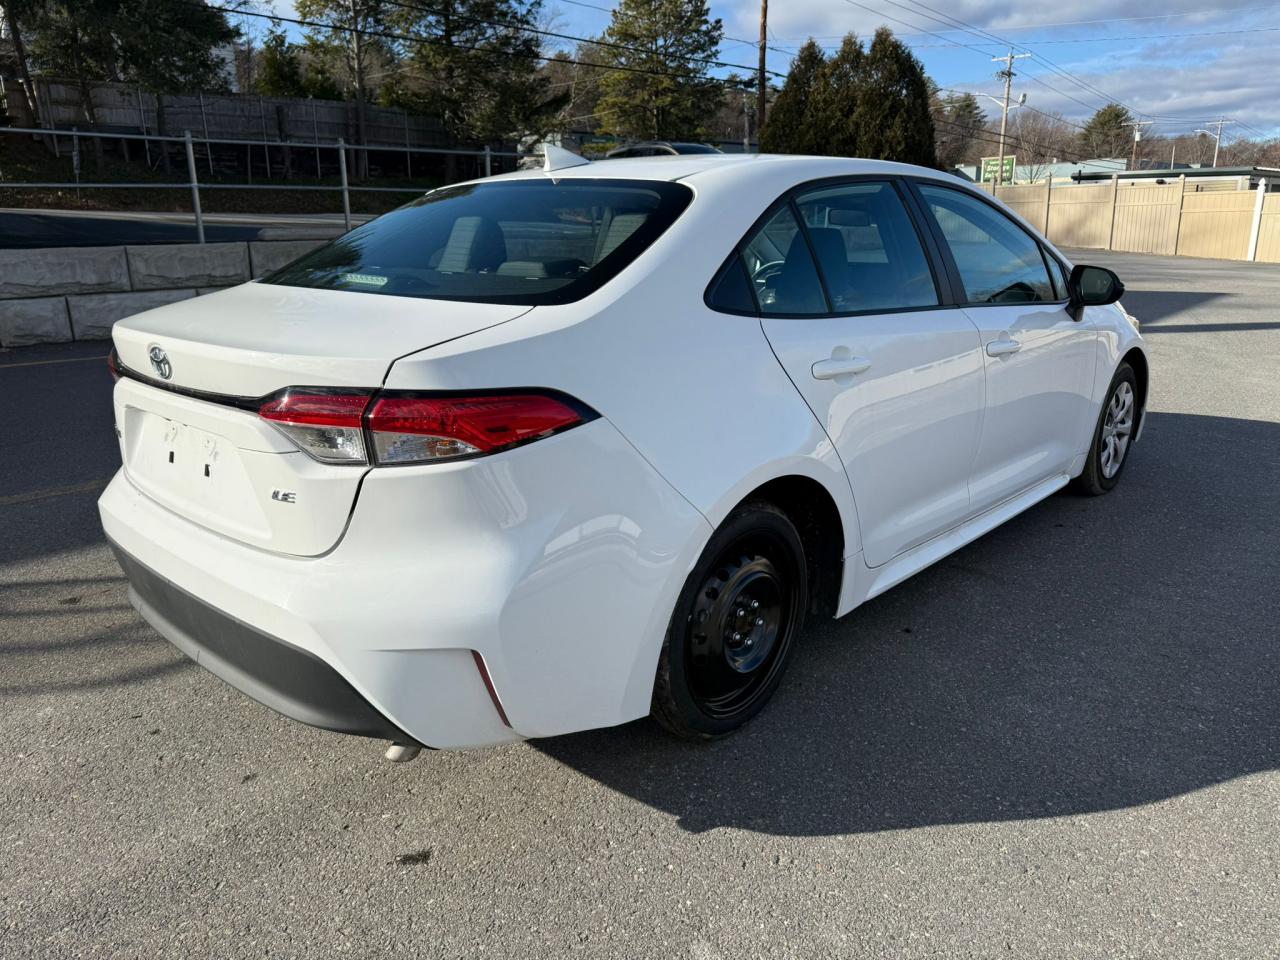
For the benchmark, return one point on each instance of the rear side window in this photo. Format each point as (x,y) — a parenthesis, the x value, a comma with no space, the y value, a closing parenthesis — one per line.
(731,289)
(781,268)
(869,251)
(998,261)
(519,241)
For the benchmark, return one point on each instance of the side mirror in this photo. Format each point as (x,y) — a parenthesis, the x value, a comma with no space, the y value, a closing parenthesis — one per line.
(1093,287)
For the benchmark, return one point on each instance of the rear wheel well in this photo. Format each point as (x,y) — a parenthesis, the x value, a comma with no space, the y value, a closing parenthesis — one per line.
(1136,359)
(816,517)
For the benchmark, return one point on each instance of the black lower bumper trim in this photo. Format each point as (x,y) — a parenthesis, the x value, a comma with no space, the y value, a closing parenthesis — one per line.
(288,679)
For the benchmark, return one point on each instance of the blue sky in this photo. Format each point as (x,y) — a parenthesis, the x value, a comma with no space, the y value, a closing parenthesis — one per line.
(1183,61)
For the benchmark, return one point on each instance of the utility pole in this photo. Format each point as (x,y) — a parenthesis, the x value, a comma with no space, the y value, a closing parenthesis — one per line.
(761,87)
(1007,75)
(1217,136)
(1137,135)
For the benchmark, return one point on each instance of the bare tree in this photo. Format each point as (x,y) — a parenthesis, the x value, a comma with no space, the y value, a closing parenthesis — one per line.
(1040,140)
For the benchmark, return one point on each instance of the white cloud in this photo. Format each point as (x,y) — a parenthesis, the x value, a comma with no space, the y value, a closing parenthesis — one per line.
(1196,77)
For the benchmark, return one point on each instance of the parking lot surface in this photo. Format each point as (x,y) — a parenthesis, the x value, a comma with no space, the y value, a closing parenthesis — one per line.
(1062,741)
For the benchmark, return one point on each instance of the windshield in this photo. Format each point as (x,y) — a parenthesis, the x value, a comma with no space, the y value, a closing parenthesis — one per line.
(517,241)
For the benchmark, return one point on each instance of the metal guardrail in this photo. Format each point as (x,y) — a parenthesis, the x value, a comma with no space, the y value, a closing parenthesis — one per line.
(344,186)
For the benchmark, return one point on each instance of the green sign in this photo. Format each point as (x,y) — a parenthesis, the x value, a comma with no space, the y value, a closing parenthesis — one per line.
(989,165)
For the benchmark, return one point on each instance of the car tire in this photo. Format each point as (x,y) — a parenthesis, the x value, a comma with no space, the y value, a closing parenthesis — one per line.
(734,625)
(1113,435)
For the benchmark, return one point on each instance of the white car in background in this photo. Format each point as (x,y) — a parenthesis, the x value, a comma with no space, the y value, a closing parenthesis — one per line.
(562,448)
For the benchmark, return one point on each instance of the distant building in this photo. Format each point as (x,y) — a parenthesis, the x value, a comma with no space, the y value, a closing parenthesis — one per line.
(1203,178)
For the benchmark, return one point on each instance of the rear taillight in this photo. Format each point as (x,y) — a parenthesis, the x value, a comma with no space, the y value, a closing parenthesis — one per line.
(400,428)
(325,425)
(418,429)
(113,364)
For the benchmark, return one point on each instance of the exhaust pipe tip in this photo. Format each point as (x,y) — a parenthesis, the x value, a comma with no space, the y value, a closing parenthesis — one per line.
(402,752)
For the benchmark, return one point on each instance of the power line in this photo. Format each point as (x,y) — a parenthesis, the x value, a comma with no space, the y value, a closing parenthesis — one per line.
(988,136)
(983,35)
(1039,26)
(916,26)
(1025,106)
(565,36)
(1154,36)
(387,35)
(1160,16)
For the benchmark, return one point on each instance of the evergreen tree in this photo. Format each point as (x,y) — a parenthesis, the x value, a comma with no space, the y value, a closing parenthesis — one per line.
(280,70)
(959,122)
(892,115)
(783,128)
(830,126)
(665,92)
(1108,133)
(478,69)
(173,45)
(163,44)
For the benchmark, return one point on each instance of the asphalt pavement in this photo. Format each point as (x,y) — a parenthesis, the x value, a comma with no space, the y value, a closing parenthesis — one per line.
(1060,742)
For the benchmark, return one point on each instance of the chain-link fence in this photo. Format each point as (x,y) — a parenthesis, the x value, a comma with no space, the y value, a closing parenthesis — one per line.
(284,162)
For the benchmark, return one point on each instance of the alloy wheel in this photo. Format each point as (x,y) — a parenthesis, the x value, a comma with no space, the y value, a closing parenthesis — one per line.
(1117,428)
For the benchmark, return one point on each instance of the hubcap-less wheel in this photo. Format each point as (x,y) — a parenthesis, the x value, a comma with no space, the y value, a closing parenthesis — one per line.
(740,626)
(1117,427)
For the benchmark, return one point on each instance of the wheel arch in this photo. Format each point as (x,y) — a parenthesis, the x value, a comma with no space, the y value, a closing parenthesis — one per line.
(1137,359)
(817,518)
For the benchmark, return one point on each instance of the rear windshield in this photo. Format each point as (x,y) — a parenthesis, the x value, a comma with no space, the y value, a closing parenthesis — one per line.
(519,241)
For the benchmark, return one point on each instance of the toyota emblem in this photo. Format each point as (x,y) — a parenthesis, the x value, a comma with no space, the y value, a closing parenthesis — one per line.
(160,361)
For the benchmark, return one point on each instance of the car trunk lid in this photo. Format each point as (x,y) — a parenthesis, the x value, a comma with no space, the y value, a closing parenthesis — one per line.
(193,441)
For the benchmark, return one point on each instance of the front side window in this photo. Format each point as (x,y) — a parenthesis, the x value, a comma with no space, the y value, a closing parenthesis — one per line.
(518,241)
(781,268)
(1058,275)
(869,251)
(997,260)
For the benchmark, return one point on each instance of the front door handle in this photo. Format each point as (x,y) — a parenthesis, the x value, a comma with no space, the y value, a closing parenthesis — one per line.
(1003,347)
(840,367)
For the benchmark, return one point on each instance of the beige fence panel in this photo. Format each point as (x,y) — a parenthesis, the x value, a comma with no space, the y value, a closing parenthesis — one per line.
(1080,216)
(1028,201)
(1147,219)
(1269,233)
(1216,224)
(1191,220)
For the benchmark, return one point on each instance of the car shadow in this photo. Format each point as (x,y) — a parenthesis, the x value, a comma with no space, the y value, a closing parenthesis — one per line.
(1154,308)
(1089,655)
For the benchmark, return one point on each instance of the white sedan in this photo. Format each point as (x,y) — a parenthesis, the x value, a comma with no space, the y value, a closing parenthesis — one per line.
(559,449)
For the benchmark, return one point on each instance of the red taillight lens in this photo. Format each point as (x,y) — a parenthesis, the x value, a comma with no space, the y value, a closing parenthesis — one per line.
(113,364)
(417,429)
(327,426)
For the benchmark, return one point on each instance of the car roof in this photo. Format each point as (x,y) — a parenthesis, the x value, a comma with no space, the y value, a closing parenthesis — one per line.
(741,167)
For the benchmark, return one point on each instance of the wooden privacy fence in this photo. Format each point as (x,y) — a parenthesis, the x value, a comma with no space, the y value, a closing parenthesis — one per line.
(1168,218)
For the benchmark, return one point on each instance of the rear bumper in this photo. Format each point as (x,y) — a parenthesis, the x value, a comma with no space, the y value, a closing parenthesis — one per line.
(277,674)
(557,564)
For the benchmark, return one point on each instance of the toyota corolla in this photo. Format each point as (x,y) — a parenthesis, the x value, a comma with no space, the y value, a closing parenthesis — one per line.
(559,449)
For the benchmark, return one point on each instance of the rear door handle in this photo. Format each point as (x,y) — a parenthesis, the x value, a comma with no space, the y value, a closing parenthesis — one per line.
(840,367)
(1003,347)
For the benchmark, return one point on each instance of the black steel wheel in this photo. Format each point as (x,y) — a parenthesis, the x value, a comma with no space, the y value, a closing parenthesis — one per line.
(734,625)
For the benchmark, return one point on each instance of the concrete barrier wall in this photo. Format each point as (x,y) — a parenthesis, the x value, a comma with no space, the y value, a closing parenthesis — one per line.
(77,293)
